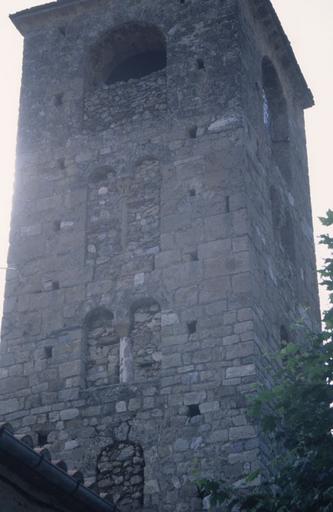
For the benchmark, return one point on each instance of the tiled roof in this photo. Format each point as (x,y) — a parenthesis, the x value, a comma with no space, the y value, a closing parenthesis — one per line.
(35,466)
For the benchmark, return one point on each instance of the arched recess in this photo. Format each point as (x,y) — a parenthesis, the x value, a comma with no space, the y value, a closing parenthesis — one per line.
(144,208)
(103,228)
(146,339)
(275,116)
(120,474)
(102,348)
(130,51)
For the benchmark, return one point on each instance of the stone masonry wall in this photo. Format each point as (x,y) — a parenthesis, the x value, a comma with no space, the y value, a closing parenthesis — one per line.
(120,102)
(148,275)
(102,349)
(120,472)
(283,260)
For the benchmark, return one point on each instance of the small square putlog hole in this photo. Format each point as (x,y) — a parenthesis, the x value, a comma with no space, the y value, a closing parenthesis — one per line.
(193,132)
(57,225)
(200,64)
(193,410)
(192,327)
(42,438)
(194,256)
(227,204)
(48,351)
(61,163)
(284,336)
(59,100)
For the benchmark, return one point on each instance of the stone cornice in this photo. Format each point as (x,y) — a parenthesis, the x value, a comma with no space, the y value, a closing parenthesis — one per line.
(27,20)
(263,10)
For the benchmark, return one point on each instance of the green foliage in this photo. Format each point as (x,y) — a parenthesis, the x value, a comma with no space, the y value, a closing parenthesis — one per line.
(327,272)
(296,417)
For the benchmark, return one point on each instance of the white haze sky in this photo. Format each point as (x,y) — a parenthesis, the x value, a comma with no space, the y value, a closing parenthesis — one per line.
(309,26)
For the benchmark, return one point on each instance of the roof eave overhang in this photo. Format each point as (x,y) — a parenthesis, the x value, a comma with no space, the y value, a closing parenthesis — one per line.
(26,20)
(265,12)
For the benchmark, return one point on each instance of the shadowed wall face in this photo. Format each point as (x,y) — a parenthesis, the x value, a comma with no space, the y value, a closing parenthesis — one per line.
(138,66)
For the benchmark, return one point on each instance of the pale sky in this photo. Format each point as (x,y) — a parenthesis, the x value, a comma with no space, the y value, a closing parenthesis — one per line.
(309,26)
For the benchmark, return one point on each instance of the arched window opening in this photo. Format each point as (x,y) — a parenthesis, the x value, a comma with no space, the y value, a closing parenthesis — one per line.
(132,51)
(146,337)
(102,349)
(120,474)
(138,66)
(275,118)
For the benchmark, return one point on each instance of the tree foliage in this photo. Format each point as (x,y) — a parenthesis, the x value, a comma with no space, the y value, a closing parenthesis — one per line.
(296,416)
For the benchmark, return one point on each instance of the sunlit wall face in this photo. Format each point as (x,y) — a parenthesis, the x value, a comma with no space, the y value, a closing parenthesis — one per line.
(309,26)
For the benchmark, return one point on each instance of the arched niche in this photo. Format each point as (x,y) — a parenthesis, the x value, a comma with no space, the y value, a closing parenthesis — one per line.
(146,338)
(103,221)
(143,200)
(102,348)
(120,474)
(275,117)
(130,51)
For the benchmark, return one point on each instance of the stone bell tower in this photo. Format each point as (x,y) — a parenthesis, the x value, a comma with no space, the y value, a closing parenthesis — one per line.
(161,236)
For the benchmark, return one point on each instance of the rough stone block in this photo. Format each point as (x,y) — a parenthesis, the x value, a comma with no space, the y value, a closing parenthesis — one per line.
(219,436)
(244,432)
(215,249)
(209,407)
(69,369)
(240,371)
(195,397)
(8,406)
(240,350)
(69,414)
